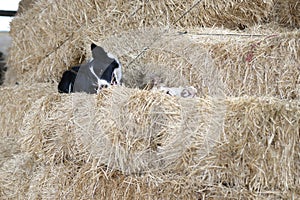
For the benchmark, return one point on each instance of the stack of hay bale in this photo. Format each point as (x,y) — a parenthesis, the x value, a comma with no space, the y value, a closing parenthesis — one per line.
(238,139)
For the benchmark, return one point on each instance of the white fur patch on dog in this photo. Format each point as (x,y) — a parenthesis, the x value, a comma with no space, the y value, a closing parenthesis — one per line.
(112,56)
(118,74)
(100,82)
(118,71)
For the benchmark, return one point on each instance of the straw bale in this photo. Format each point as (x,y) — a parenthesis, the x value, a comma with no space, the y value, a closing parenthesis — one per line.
(138,144)
(174,60)
(263,135)
(265,66)
(53,35)
(45,61)
(15,102)
(127,130)
(262,65)
(214,61)
(128,143)
(218,62)
(122,131)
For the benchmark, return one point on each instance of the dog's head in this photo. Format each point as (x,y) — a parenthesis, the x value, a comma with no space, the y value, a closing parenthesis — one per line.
(101,71)
(106,66)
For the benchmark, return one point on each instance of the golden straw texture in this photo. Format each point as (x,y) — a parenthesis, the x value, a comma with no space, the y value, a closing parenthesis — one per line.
(238,139)
(128,143)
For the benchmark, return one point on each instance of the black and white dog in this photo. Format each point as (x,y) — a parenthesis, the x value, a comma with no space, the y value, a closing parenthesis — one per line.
(102,71)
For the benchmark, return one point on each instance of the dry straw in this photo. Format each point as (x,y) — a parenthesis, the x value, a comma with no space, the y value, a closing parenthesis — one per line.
(14,103)
(226,62)
(131,131)
(267,65)
(174,60)
(215,61)
(128,143)
(25,5)
(53,35)
(286,13)
(137,144)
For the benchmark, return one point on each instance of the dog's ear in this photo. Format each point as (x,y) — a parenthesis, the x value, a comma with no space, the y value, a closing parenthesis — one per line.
(93,46)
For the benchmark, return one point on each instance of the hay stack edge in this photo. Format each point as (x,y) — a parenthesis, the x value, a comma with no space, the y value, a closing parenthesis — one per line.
(238,139)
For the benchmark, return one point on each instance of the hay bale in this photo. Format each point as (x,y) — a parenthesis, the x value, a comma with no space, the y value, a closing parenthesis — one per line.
(46,61)
(267,66)
(82,128)
(214,61)
(139,144)
(261,135)
(219,62)
(57,32)
(15,101)
(174,60)
(247,64)
(128,130)
(133,144)
(14,104)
